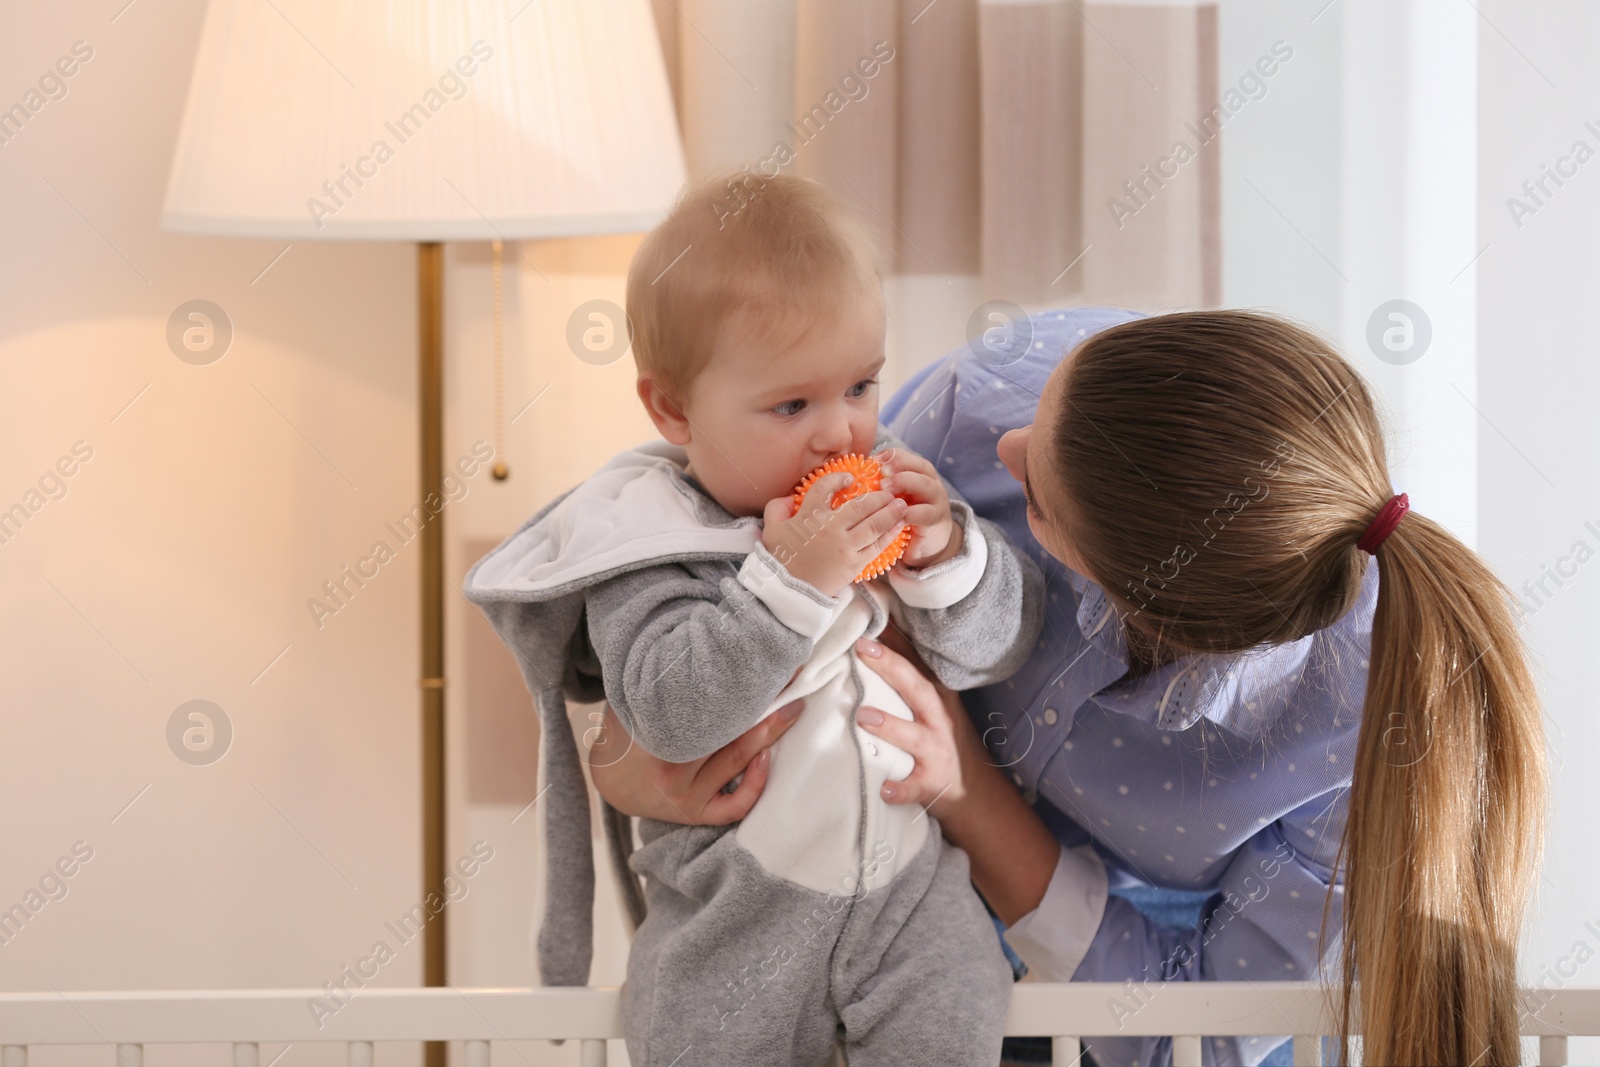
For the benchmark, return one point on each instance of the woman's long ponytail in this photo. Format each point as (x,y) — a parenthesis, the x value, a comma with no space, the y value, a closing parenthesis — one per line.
(1252,443)
(1446,818)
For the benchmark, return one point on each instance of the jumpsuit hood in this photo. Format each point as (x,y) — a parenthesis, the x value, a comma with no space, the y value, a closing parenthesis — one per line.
(638,510)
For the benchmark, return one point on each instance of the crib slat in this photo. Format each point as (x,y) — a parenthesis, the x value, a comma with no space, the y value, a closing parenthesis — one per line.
(1307,1050)
(477,1054)
(1065,1052)
(359,1054)
(1185,1051)
(592,1053)
(130,1056)
(14,1056)
(246,1054)
(1553,1051)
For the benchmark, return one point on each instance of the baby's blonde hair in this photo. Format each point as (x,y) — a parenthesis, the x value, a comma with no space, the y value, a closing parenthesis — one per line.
(777,251)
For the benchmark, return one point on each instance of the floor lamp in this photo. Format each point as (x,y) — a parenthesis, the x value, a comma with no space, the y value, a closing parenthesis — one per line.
(425,121)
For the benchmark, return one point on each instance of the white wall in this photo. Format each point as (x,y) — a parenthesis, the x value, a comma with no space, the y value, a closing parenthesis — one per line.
(1352,183)
(1360,147)
(1538,384)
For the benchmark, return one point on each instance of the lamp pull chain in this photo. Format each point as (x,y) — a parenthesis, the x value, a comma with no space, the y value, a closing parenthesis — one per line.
(500,470)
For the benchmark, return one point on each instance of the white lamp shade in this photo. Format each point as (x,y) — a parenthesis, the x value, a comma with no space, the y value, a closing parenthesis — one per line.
(425,120)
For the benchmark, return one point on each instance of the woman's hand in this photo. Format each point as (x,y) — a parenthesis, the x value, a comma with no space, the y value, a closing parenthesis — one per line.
(940,737)
(1012,853)
(637,783)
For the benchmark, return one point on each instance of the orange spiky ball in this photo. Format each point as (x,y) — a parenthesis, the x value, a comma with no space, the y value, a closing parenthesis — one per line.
(868,478)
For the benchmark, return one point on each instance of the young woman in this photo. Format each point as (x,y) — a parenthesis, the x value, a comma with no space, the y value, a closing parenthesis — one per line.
(1262,679)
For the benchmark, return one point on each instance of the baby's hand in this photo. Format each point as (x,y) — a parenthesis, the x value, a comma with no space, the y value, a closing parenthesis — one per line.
(935,536)
(829,548)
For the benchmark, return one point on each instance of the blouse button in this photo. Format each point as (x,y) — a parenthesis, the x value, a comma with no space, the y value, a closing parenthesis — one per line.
(1049,716)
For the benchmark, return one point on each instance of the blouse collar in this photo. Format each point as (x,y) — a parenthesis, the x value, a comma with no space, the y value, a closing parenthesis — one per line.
(1244,692)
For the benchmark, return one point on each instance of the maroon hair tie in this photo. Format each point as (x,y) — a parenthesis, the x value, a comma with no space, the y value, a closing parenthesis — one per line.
(1384,522)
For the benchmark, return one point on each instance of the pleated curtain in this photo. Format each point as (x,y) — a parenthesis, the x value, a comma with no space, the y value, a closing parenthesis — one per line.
(1032,144)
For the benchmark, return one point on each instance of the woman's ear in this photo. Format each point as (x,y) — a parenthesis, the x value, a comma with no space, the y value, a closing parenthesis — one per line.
(663,410)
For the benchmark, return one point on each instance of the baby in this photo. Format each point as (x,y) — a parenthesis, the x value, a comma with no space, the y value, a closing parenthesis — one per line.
(675,583)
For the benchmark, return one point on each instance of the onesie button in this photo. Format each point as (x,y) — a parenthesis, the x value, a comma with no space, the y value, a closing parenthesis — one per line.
(1049,716)
(1015,777)
(1030,797)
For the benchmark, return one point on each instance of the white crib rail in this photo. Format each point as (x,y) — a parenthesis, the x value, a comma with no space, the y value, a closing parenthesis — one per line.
(1187,1011)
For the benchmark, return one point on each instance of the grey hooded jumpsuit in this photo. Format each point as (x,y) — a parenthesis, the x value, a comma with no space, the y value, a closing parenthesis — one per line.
(826,913)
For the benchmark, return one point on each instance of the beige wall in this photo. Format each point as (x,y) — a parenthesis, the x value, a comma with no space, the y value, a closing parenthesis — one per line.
(216,502)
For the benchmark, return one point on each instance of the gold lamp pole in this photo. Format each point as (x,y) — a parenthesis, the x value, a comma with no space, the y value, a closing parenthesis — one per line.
(430,401)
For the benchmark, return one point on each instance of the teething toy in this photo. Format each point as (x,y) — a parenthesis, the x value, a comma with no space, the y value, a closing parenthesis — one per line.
(868,478)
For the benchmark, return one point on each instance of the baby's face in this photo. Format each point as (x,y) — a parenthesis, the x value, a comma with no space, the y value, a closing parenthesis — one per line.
(761,417)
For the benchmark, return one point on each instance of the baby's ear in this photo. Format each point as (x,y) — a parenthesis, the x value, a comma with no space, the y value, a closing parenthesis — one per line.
(663,410)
